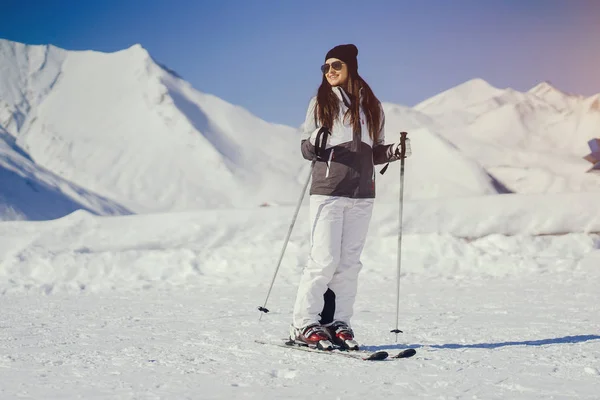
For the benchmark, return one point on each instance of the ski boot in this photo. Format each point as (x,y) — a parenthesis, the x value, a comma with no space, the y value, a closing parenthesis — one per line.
(342,335)
(313,335)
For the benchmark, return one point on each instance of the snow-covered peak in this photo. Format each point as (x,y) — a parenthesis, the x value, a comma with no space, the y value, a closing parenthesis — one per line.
(461,96)
(544,88)
(137,47)
(135,53)
(557,98)
(476,85)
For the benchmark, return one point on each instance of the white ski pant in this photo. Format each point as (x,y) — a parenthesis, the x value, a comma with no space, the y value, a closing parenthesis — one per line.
(338,234)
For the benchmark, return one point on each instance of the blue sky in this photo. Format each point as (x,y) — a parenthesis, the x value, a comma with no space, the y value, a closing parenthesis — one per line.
(264,55)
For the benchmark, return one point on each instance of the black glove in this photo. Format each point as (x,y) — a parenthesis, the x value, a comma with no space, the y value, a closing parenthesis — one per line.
(397,148)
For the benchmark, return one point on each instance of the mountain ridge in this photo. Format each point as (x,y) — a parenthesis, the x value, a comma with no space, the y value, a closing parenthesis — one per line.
(129,129)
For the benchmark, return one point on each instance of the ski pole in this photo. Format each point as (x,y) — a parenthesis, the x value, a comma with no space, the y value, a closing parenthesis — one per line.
(263,308)
(403,155)
(320,146)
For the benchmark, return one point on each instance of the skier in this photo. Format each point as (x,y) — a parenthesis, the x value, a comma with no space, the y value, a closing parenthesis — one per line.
(344,137)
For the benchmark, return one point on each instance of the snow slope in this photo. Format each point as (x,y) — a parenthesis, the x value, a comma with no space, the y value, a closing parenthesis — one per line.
(436,167)
(498,296)
(81,250)
(29,192)
(532,142)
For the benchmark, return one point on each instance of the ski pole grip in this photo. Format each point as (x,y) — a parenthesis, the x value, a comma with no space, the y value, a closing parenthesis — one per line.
(403,136)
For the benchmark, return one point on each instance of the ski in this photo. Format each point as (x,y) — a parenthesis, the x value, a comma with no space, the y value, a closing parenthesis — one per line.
(335,351)
(338,351)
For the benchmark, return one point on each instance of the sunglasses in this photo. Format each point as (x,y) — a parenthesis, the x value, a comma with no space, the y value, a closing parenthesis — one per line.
(336,65)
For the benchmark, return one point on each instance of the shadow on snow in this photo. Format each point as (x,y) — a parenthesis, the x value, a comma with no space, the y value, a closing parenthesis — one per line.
(542,342)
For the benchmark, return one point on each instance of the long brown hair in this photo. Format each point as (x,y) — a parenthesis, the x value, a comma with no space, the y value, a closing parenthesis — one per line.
(328,106)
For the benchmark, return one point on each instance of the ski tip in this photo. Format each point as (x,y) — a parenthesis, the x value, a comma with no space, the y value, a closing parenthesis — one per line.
(377,356)
(406,353)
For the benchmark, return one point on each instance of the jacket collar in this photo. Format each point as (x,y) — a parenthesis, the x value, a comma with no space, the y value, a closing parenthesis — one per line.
(343,96)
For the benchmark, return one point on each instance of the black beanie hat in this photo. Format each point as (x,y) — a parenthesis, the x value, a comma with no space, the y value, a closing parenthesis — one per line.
(345,52)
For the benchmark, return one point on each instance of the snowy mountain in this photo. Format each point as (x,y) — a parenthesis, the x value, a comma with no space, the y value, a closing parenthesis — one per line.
(122,126)
(498,293)
(533,142)
(135,137)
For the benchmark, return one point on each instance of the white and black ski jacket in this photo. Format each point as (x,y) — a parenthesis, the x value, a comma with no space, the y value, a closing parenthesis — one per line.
(345,165)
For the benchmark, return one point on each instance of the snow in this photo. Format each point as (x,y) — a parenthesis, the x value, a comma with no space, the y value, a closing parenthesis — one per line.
(133,253)
(30,192)
(164,305)
(127,129)
(530,142)
(459,98)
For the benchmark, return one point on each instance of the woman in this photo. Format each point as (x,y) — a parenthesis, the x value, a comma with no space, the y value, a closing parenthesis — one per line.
(344,137)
